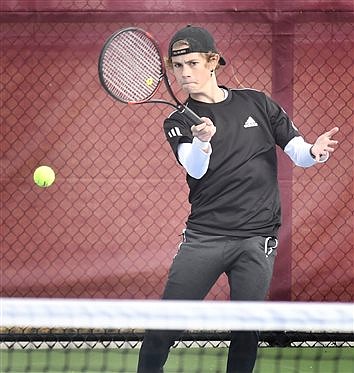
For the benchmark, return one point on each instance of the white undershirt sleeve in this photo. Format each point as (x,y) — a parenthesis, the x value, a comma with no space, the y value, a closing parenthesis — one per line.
(299,152)
(194,160)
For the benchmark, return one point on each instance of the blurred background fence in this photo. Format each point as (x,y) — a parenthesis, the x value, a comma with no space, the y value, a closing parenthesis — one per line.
(110,225)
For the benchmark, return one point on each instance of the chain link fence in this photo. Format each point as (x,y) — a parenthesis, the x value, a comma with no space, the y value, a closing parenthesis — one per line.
(110,225)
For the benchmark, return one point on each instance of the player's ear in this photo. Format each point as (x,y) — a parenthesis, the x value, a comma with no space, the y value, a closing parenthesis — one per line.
(213,61)
(168,62)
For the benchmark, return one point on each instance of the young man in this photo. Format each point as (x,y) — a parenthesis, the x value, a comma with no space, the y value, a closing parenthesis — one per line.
(231,165)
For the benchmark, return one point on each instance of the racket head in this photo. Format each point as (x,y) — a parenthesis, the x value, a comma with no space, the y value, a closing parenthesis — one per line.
(130,66)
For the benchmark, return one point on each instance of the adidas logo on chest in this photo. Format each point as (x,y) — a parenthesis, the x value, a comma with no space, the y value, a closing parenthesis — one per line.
(250,122)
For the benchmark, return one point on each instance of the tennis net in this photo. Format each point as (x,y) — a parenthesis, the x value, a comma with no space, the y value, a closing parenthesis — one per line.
(67,335)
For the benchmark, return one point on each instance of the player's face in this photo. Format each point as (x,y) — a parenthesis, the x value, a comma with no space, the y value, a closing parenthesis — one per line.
(192,72)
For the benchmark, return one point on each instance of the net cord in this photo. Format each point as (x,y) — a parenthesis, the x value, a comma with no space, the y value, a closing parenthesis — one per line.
(179,315)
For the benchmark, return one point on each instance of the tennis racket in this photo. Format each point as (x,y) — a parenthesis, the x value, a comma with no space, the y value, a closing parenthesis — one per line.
(131,69)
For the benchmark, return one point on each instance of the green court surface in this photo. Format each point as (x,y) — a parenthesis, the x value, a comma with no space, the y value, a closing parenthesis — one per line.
(188,360)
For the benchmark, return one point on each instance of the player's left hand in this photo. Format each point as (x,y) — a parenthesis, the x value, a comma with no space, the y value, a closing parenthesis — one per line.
(324,144)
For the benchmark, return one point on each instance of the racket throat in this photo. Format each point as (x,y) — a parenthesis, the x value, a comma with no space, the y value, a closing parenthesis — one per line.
(191,116)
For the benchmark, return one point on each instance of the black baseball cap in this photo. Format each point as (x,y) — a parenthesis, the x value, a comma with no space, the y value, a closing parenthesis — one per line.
(199,40)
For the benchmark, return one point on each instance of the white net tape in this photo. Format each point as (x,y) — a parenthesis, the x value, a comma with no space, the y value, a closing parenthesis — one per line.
(183,315)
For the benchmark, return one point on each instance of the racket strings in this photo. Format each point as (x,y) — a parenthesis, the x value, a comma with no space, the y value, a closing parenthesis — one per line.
(132,66)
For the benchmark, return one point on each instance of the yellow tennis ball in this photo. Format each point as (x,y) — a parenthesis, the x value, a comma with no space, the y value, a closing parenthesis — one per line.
(149,81)
(44,176)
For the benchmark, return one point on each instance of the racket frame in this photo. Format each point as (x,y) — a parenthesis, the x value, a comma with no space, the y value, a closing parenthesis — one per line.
(193,117)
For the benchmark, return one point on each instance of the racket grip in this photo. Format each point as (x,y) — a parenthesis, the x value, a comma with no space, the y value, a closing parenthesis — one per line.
(190,114)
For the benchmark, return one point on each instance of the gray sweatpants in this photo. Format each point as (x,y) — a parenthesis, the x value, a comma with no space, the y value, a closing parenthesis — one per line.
(201,259)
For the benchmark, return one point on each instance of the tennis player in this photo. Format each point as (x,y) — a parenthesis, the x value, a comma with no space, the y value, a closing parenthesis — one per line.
(231,166)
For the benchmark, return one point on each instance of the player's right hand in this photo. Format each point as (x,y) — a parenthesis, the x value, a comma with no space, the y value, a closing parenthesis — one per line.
(204,131)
